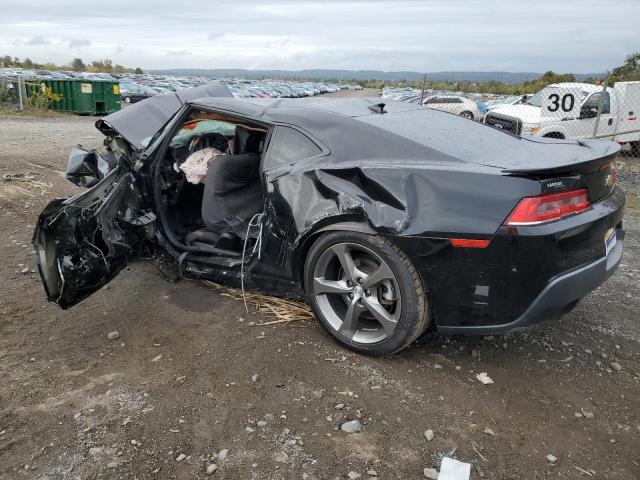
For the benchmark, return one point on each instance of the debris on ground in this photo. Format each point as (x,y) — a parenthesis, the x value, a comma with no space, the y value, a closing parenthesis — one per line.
(452,469)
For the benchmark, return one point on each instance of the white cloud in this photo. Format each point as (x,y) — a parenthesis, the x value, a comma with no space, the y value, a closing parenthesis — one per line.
(421,35)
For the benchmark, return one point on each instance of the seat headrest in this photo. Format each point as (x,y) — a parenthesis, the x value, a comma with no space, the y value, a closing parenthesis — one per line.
(248,141)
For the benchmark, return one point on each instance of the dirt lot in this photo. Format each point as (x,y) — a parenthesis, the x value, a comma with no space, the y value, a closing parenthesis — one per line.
(178,384)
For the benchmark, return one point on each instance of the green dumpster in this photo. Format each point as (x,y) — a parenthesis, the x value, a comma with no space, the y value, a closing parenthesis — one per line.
(82,97)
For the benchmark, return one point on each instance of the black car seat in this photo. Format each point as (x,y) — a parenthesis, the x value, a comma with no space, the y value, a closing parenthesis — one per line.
(232,193)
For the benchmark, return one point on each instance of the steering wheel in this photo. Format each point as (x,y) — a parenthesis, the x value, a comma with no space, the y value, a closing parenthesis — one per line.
(208,140)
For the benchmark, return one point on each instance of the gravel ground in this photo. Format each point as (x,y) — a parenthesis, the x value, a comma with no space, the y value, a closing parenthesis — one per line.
(178,386)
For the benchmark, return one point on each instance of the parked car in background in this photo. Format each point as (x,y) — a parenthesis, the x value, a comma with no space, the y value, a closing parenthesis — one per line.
(132,93)
(457,105)
(512,100)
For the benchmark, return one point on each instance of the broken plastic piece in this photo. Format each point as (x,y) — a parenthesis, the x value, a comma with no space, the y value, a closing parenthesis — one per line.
(451,469)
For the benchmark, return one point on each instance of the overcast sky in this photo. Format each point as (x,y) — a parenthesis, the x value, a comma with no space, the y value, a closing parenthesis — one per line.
(579,36)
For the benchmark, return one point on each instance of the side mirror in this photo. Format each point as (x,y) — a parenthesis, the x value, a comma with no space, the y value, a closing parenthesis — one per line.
(86,168)
(589,112)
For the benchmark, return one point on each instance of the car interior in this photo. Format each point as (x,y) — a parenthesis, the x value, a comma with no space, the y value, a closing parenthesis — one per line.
(213,214)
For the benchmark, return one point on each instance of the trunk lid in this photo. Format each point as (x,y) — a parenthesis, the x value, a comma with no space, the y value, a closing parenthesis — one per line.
(596,171)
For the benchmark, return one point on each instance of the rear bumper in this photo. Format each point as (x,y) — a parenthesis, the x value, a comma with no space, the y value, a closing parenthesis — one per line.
(557,298)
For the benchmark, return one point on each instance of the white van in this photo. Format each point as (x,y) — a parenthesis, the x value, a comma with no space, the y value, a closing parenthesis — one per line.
(570,111)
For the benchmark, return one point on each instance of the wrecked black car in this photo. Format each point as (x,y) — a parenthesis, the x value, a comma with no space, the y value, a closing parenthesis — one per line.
(388,218)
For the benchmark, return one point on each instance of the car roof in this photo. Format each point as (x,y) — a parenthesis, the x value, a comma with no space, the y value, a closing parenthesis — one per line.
(310,106)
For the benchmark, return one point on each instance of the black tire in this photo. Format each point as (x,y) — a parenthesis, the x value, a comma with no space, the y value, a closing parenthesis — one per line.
(413,318)
(467,114)
(127,99)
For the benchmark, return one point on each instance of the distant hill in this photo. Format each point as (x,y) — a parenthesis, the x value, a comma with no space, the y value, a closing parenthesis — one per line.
(356,75)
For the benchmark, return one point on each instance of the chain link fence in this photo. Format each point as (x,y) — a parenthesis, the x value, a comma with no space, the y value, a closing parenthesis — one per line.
(13,93)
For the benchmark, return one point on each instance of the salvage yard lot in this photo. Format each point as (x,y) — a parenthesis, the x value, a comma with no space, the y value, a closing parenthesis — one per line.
(178,380)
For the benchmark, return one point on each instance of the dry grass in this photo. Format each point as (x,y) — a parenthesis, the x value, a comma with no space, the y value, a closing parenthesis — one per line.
(282,310)
(28,180)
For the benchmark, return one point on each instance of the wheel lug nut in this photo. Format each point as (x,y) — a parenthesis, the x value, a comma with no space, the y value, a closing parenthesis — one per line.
(367,292)
(351,295)
(349,283)
(359,280)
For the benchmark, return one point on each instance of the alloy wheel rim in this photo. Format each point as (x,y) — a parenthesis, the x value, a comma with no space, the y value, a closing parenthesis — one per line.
(357,293)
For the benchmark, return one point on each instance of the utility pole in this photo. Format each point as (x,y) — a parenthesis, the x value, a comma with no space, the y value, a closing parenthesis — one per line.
(20,90)
(424,80)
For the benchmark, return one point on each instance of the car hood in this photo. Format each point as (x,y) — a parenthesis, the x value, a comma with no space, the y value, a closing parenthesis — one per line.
(143,119)
(526,113)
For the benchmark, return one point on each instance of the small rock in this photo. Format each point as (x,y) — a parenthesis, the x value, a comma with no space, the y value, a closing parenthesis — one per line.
(211,469)
(25,270)
(255,377)
(372,473)
(353,475)
(431,473)
(339,406)
(429,435)
(261,423)
(484,378)
(93,451)
(156,358)
(488,431)
(180,457)
(222,454)
(281,457)
(552,458)
(615,366)
(588,415)
(113,335)
(249,429)
(353,426)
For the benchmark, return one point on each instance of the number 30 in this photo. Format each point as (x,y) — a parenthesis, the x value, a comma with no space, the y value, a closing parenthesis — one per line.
(567,103)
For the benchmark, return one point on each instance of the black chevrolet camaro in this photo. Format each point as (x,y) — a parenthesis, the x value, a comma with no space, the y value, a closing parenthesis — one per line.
(388,218)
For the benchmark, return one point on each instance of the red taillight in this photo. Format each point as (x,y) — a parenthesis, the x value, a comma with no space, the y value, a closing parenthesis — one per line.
(552,206)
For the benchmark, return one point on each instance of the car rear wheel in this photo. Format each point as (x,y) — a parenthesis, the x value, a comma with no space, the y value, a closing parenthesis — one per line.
(366,292)
(467,114)
(127,99)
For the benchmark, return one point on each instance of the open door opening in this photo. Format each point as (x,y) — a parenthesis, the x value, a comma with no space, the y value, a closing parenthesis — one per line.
(208,185)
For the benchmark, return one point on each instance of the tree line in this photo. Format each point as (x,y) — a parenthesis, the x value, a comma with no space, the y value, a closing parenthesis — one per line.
(628,71)
(76,65)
